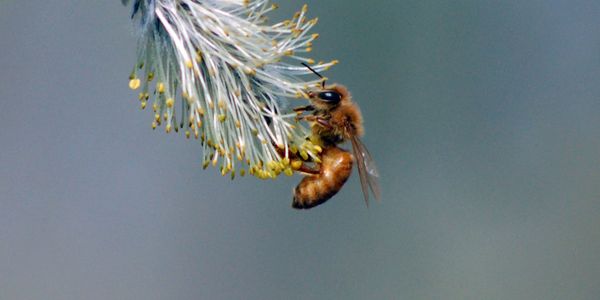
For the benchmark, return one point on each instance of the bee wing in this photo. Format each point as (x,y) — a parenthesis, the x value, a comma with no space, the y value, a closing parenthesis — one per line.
(367,171)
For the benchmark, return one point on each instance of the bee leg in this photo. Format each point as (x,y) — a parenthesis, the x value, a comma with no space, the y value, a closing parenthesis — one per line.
(308,170)
(301,109)
(320,121)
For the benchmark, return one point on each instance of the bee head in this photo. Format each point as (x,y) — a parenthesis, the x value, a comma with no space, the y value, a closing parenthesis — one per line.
(329,96)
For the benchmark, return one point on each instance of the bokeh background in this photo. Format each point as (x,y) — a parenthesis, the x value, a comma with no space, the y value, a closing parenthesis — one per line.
(483,116)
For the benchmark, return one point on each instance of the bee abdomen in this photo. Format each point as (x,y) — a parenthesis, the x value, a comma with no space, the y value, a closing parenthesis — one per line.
(335,169)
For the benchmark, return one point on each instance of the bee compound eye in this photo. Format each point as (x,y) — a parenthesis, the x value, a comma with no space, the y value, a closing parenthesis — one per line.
(330,96)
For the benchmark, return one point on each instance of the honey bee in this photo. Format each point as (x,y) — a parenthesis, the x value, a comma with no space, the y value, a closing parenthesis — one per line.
(335,119)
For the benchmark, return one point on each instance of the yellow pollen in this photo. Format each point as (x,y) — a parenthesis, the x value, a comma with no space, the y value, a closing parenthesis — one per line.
(160,87)
(189,64)
(222,118)
(296,164)
(134,83)
(170,102)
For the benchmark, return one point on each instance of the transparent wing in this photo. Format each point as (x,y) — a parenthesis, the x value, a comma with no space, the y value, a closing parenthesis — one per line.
(369,176)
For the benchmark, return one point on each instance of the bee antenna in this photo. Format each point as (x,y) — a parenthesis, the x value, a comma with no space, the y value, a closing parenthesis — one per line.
(316,73)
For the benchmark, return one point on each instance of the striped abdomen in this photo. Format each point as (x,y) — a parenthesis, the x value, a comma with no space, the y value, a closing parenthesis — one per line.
(336,167)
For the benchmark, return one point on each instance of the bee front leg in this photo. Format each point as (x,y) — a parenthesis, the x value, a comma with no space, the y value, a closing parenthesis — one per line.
(301,109)
(319,120)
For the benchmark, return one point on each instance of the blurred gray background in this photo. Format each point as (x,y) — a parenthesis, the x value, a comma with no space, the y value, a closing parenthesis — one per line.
(483,116)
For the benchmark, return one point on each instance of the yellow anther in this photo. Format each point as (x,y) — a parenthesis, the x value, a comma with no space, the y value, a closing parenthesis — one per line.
(154,125)
(310,61)
(272,165)
(318,148)
(199,123)
(305,8)
(168,128)
(205,164)
(314,21)
(232,175)
(238,124)
(249,71)
(274,6)
(156,117)
(222,104)
(155,107)
(170,102)
(160,87)
(134,83)
(143,104)
(288,171)
(288,52)
(304,154)
(189,64)
(150,76)
(200,111)
(242,172)
(222,118)
(294,149)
